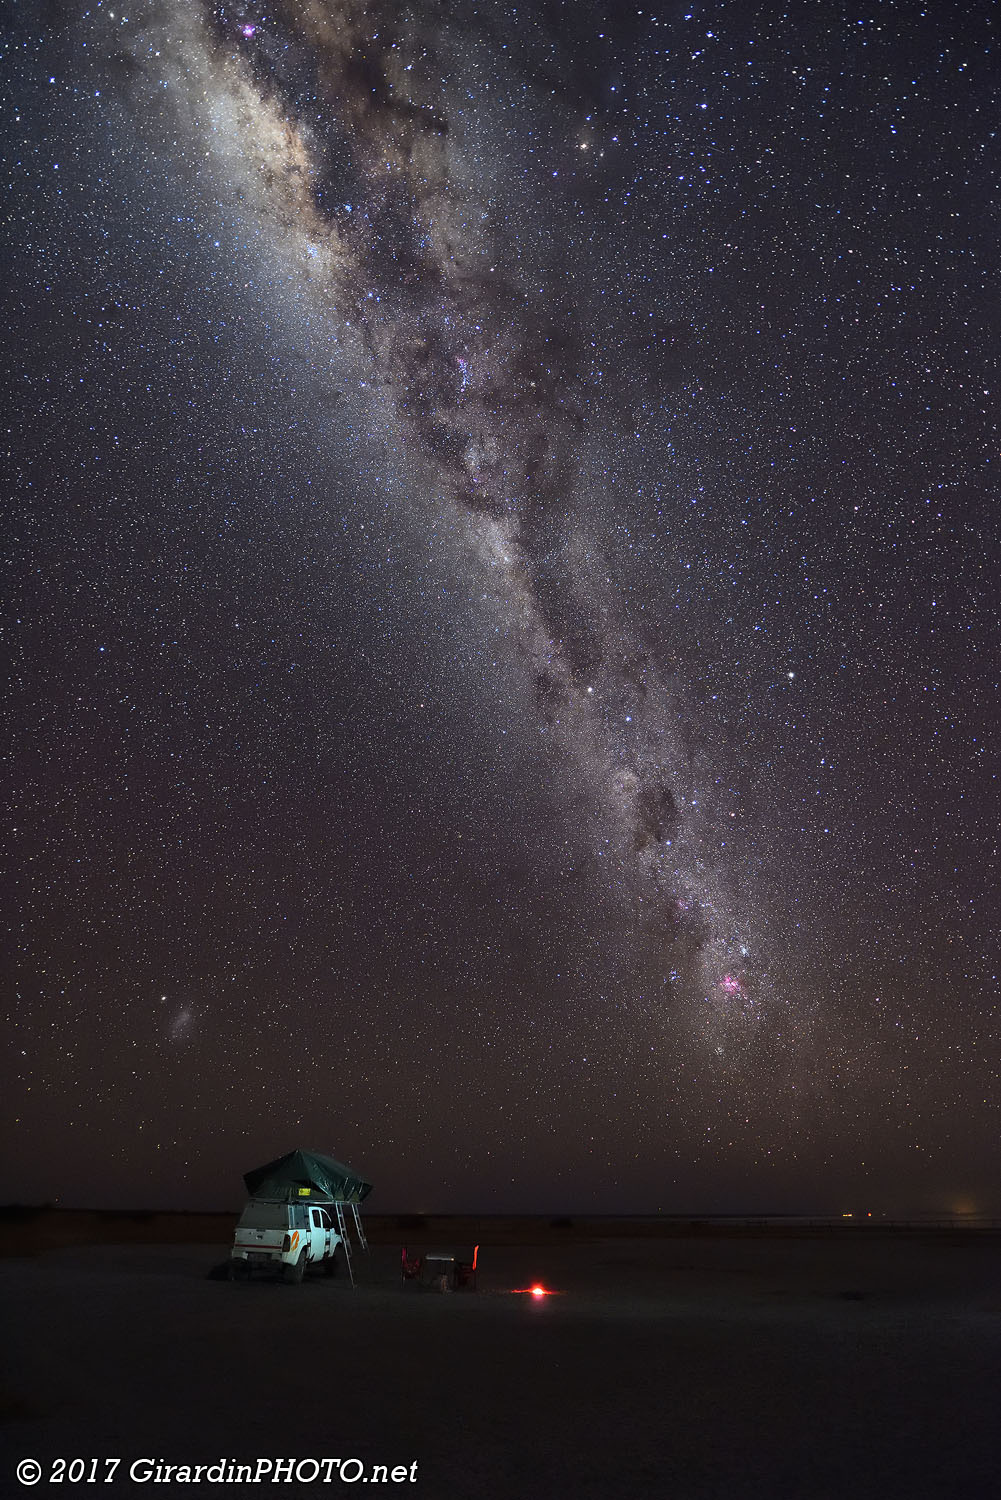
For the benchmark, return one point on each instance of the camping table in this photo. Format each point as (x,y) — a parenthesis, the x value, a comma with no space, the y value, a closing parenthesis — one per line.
(438,1264)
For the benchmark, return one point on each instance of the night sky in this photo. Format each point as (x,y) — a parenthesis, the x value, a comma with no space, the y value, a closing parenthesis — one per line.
(502,589)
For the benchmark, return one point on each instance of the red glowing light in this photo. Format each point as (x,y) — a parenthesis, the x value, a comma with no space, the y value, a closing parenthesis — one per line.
(535,1290)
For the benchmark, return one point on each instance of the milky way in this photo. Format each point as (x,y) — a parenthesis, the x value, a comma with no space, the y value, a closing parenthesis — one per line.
(335,123)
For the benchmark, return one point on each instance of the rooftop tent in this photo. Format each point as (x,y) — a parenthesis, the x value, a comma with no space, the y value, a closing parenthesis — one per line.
(302,1174)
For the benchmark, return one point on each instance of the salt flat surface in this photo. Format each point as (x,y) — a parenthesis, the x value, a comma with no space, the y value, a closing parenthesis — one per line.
(687,1368)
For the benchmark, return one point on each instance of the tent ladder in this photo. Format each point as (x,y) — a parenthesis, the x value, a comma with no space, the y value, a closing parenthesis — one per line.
(342,1230)
(359,1231)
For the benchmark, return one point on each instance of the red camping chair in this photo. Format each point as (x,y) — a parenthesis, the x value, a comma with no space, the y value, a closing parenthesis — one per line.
(410,1270)
(465,1270)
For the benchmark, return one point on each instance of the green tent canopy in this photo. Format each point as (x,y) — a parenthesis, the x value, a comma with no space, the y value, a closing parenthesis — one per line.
(305,1174)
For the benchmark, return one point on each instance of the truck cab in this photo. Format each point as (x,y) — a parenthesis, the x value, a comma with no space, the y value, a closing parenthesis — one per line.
(285,1238)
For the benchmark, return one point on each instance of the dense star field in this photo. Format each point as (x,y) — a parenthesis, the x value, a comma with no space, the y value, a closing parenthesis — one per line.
(502,599)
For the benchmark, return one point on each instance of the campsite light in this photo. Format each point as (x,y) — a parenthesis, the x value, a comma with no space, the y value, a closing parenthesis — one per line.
(538,1291)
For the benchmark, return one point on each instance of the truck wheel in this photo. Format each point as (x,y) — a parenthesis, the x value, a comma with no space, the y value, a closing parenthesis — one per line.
(238,1270)
(294,1273)
(330,1265)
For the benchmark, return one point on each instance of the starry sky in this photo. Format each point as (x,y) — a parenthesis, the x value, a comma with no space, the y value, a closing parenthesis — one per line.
(498,584)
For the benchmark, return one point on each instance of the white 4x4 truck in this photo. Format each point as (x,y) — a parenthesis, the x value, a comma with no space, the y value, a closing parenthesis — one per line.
(283,1237)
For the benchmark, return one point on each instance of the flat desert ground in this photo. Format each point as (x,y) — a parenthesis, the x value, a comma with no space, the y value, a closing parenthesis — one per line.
(684,1366)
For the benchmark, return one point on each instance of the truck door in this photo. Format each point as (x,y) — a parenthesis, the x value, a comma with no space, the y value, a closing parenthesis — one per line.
(317,1234)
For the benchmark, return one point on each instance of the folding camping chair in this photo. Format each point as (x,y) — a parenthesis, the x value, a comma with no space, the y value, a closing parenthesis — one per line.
(410,1270)
(465,1270)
